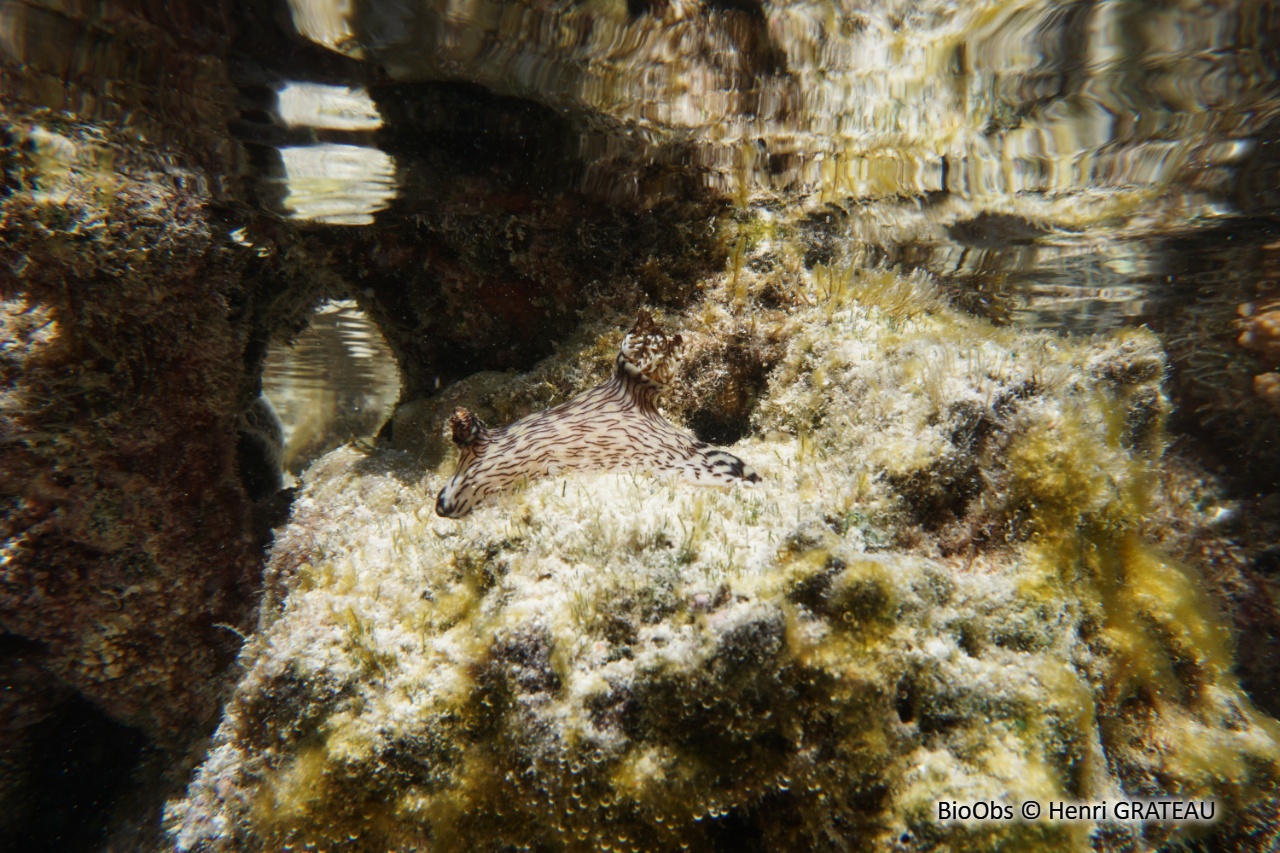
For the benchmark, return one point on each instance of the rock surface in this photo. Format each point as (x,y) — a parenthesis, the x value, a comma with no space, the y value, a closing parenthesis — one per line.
(125,525)
(947,586)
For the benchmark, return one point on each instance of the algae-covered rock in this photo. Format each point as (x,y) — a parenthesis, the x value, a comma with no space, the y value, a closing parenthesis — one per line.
(944,588)
(125,526)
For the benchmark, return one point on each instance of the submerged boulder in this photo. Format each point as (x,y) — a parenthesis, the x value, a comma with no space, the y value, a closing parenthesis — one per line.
(953,584)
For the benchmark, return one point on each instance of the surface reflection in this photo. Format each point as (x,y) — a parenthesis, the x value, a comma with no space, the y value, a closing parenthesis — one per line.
(1100,126)
(982,99)
(336,382)
(337,184)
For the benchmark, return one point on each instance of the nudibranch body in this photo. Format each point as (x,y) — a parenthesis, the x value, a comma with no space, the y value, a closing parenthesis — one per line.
(615,425)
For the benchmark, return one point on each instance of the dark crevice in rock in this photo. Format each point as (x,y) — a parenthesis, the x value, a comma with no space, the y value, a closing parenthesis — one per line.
(722,382)
(506,226)
(79,769)
(736,832)
(940,499)
(904,701)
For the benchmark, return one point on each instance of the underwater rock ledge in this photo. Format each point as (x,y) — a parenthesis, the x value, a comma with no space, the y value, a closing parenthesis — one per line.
(125,530)
(944,587)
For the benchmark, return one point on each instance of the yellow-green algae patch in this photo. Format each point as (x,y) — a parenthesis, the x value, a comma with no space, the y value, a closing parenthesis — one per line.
(940,590)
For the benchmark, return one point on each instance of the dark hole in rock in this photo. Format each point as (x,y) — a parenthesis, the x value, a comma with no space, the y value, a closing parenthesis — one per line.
(720,407)
(271,513)
(939,719)
(720,427)
(812,591)
(80,767)
(14,644)
(1016,640)
(867,799)
(941,498)
(636,8)
(619,630)
(737,832)
(820,234)
(1267,561)
(904,701)
(938,497)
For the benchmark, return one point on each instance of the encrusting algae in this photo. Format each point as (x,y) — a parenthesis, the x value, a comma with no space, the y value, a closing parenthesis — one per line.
(942,589)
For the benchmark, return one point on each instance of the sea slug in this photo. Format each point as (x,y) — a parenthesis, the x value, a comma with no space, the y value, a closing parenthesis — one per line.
(615,425)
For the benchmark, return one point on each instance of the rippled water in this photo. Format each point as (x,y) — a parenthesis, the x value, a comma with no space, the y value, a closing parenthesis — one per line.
(1047,162)
(1098,132)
